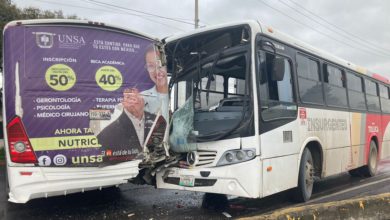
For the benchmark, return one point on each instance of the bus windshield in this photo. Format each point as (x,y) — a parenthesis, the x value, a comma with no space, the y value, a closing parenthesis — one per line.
(210,74)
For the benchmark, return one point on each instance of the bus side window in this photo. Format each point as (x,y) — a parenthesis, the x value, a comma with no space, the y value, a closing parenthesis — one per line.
(384,96)
(372,96)
(309,80)
(276,96)
(335,86)
(355,92)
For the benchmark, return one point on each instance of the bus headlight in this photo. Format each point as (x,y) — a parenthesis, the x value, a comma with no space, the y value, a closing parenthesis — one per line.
(250,153)
(236,156)
(240,155)
(229,157)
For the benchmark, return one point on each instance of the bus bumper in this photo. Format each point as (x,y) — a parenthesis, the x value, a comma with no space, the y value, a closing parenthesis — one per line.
(42,182)
(242,179)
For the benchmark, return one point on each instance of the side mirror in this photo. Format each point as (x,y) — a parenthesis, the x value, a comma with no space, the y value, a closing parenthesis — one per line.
(278,69)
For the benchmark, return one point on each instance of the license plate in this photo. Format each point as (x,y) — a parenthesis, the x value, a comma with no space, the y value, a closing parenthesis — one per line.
(187,181)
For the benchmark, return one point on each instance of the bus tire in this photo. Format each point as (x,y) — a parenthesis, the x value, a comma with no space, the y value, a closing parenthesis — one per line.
(215,202)
(355,172)
(306,177)
(370,169)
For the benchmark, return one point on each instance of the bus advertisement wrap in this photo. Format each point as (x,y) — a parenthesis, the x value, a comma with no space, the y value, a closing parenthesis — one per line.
(86,96)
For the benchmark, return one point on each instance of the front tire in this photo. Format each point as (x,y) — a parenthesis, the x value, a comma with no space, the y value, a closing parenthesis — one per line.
(306,177)
(215,202)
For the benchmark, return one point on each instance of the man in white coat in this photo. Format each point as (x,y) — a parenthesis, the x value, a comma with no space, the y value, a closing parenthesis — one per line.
(156,98)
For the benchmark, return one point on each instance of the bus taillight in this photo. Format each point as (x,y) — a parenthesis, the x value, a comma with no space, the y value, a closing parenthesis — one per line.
(19,145)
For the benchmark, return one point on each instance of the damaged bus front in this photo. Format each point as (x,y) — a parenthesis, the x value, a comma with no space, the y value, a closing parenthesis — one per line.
(212,135)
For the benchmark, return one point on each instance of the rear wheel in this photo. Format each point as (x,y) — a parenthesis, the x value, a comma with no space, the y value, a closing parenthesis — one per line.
(355,172)
(306,177)
(372,165)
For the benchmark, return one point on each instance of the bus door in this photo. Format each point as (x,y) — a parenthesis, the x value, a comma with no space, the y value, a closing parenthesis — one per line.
(277,115)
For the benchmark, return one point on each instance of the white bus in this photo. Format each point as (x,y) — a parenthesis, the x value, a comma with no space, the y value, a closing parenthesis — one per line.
(79,100)
(257,113)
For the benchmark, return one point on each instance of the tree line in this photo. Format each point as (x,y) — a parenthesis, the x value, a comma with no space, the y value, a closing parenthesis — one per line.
(9,12)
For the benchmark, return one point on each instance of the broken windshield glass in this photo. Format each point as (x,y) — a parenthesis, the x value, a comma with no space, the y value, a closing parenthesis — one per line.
(181,138)
(211,75)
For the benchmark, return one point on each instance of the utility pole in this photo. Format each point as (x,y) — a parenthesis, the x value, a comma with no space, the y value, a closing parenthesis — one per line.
(196,15)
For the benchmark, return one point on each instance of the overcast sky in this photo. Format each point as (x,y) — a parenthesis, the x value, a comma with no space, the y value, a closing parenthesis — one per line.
(355,30)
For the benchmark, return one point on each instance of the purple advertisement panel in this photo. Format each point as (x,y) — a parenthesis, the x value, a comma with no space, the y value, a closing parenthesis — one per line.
(87,96)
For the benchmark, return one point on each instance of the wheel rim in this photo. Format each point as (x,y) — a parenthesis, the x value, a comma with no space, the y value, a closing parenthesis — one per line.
(373,157)
(309,176)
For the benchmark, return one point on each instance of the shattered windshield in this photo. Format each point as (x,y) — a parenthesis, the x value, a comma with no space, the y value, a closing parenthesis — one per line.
(210,76)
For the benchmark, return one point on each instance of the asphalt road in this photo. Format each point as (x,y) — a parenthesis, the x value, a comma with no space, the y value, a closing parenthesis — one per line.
(145,202)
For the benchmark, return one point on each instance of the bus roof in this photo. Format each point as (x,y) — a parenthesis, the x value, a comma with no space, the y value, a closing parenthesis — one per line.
(76,22)
(278,35)
(271,32)
(252,23)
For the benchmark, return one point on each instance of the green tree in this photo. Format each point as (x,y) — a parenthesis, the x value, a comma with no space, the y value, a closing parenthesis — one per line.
(9,12)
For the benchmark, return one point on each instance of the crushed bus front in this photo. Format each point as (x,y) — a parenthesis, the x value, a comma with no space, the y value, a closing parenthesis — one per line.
(212,134)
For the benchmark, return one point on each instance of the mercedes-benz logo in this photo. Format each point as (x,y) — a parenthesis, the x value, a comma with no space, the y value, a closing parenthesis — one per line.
(191,158)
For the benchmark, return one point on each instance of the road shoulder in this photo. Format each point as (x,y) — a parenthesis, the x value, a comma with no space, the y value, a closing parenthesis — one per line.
(370,207)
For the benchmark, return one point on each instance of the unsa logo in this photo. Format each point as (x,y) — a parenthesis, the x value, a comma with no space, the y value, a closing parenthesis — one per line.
(44,39)
(71,39)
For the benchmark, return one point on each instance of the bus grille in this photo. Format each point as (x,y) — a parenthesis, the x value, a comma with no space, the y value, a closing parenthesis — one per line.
(206,157)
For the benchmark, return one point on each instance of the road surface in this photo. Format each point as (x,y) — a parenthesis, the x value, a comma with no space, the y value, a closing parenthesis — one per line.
(145,202)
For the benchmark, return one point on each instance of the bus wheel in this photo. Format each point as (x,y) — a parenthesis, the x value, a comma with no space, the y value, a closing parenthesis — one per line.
(372,165)
(355,172)
(306,177)
(216,202)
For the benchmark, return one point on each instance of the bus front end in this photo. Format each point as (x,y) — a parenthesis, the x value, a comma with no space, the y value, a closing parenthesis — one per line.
(223,167)
(213,124)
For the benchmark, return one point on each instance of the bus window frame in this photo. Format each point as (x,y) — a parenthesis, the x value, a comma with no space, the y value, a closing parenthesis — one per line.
(367,95)
(321,78)
(324,65)
(258,70)
(350,109)
(384,98)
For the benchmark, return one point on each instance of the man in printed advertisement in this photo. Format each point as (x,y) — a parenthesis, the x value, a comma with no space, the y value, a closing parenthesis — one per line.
(123,139)
(156,98)
(152,101)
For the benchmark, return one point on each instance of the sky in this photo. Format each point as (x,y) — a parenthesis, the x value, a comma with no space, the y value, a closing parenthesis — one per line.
(354,30)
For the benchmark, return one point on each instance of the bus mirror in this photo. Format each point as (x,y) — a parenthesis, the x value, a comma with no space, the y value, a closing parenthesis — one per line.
(278,69)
